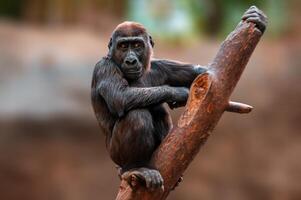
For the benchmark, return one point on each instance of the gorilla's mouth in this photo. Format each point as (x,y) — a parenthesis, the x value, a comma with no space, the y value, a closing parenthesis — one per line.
(133,74)
(132,71)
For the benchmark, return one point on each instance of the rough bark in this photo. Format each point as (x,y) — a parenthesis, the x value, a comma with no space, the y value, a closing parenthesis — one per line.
(208,99)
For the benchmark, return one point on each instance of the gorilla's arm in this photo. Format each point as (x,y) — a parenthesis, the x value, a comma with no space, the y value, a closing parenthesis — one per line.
(120,97)
(173,73)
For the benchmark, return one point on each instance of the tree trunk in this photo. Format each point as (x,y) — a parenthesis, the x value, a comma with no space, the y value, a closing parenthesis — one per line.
(208,99)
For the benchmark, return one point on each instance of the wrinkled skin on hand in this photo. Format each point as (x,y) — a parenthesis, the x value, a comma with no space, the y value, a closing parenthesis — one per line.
(253,14)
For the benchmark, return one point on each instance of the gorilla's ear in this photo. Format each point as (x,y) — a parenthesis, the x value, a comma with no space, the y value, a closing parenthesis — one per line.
(110,43)
(151,41)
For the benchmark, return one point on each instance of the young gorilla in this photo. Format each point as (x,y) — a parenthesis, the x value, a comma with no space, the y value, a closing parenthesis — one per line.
(128,92)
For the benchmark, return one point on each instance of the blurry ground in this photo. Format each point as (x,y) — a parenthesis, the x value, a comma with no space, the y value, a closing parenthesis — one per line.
(51,147)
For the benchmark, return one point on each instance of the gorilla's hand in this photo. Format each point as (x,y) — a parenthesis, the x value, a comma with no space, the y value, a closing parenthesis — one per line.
(179,97)
(253,14)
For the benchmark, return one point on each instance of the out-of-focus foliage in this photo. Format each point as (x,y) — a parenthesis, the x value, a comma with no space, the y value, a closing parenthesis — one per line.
(60,11)
(165,18)
(180,18)
(10,8)
(232,10)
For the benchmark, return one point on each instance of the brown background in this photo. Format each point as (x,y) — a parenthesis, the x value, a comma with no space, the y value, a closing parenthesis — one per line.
(51,147)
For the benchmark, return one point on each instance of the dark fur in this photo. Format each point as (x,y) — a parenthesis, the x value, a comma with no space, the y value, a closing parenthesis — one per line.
(131,112)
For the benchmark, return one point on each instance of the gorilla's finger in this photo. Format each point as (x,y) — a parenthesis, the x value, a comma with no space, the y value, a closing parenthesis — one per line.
(138,174)
(255,20)
(151,180)
(249,15)
(255,10)
(158,180)
(155,181)
(259,24)
(250,11)
(148,181)
(253,7)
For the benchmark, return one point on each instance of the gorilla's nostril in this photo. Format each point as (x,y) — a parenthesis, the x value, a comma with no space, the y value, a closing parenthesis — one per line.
(131,61)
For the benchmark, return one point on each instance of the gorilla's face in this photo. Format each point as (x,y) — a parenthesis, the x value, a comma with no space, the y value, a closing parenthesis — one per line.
(130,55)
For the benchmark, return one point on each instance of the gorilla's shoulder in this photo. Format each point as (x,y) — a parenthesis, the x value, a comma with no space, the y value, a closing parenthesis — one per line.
(105,65)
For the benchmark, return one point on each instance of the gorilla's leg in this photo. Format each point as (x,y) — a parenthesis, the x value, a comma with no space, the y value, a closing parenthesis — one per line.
(162,122)
(132,145)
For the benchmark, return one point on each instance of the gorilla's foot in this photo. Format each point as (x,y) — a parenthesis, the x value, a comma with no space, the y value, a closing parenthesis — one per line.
(150,177)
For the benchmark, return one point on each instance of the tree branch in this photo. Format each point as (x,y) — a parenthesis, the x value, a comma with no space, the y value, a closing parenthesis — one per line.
(208,99)
(238,107)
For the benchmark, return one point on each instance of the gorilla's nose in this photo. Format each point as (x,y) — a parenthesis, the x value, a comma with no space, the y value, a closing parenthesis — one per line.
(131,61)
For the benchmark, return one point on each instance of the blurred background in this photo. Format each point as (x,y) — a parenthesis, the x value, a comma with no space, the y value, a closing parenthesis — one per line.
(50,145)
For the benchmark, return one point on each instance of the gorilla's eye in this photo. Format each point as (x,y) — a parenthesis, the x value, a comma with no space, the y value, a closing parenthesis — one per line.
(137,45)
(123,46)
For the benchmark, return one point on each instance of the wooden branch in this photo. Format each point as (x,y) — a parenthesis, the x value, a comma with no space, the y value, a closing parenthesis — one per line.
(238,107)
(208,99)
